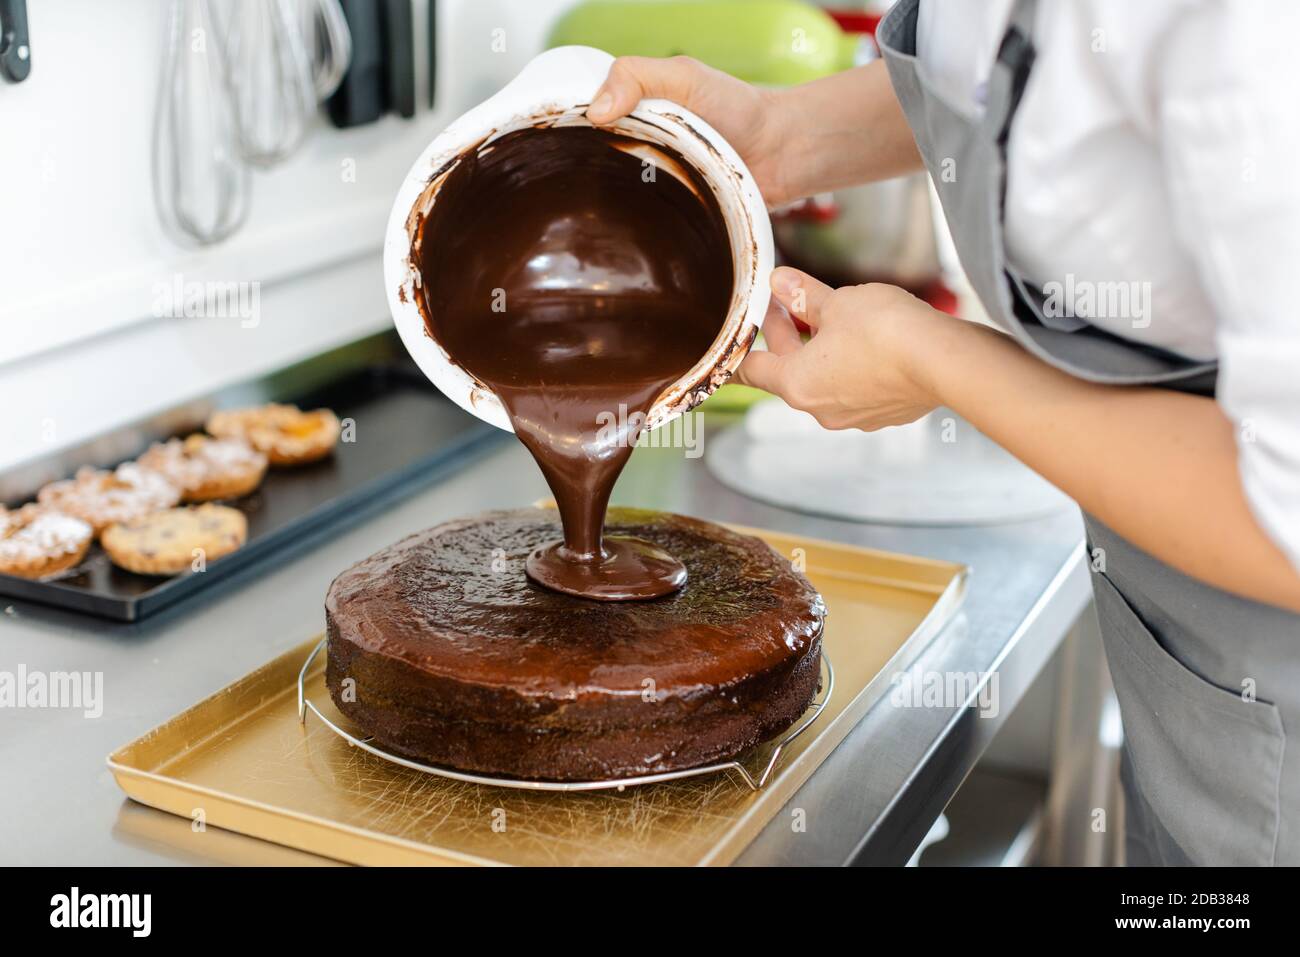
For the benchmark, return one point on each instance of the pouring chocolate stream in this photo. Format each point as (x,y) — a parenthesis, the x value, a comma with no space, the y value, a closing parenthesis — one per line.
(577,281)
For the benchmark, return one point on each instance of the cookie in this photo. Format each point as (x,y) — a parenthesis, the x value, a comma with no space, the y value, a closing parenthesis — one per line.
(163,543)
(288,435)
(36,541)
(103,498)
(204,468)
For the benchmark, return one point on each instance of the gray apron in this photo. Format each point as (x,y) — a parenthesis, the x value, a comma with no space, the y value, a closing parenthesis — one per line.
(1208,683)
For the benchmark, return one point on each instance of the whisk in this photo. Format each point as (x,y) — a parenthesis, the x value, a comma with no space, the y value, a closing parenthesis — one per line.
(329,43)
(271,76)
(200,183)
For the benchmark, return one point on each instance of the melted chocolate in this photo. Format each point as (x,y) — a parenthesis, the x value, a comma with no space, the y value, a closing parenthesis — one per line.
(578,282)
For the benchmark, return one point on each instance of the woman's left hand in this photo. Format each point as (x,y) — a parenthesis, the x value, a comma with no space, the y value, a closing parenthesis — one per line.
(864,367)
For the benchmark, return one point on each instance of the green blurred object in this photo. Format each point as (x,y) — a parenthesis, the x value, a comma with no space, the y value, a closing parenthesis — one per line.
(772,42)
(734,397)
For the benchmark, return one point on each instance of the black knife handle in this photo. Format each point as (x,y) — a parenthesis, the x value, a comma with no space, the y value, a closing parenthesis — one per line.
(15,44)
(400,60)
(433,53)
(362,96)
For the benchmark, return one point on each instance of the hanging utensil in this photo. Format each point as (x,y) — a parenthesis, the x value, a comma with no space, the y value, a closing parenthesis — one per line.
(362,96)
(275,98)
(200,184)
(400,57)
(328,42)
(15,46)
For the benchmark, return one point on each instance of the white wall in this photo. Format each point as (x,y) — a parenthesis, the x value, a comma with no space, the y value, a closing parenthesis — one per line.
(82,256)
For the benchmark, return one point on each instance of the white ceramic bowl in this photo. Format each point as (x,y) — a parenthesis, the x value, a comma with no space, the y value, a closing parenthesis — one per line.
(556,87)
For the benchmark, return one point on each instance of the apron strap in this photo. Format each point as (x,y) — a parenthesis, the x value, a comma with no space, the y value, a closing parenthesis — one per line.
(1010,71)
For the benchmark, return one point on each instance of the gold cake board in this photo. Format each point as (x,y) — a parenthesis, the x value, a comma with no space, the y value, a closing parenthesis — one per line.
(244,761)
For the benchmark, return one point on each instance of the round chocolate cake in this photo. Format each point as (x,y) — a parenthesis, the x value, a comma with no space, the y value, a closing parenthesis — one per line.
(457,659)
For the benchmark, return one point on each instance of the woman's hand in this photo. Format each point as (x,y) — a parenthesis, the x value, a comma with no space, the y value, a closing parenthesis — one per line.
(864,366)
(1159,467)
(834,132)
(752,120)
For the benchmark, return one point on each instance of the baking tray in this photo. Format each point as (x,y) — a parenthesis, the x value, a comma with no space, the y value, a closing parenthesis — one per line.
(407,435)
(244,760)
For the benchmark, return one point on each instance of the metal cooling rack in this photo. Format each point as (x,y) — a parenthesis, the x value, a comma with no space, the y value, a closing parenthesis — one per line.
(755,782)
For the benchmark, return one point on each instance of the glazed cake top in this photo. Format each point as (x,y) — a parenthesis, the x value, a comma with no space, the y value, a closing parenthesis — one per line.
(453,601)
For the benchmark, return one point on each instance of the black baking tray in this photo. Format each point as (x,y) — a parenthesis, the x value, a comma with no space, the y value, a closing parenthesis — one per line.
(407,436)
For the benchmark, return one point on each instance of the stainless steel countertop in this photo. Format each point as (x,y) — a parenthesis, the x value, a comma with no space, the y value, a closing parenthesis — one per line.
(871,801)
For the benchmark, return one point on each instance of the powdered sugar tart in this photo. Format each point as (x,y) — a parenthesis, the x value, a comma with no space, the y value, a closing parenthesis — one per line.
(168,542)
(204,468)
(287,434)
(101,498)
(36,541)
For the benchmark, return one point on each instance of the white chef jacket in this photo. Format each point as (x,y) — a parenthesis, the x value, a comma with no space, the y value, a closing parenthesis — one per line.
(1158,143)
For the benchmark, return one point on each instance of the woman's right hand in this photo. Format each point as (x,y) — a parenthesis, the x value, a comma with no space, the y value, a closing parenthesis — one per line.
(752,120)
